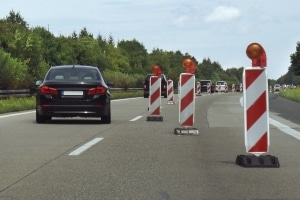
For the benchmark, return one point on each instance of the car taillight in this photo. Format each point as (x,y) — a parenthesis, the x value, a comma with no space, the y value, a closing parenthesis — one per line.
(97,90)
(48,90)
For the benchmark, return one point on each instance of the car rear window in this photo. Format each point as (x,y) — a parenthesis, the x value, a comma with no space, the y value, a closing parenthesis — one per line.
(71,74)
(221,83)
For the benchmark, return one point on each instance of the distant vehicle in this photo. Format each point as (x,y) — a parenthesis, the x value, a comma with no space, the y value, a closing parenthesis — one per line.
(204,86)
(73,91)
(221,86)
(277,88)
(163,88)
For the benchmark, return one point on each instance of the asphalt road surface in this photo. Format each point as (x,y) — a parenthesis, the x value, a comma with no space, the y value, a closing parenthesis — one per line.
(133,158)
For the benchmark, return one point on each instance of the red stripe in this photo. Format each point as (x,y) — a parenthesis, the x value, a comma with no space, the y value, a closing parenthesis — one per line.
(154,96)
(170,90)
(153,79)
(261,145)
(187,100)
(251,76)
(156,111)
(188,121)
(256,110)
(185,78)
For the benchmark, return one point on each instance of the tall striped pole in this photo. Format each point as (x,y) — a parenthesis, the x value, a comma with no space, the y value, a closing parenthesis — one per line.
(170,91)
(155,95)
(256,112)
(187,100)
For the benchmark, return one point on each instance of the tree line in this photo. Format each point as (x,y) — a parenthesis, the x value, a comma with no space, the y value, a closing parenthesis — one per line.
(27,53)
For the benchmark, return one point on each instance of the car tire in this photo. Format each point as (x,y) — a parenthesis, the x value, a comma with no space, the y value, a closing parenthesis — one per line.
(106,119)
(39,118)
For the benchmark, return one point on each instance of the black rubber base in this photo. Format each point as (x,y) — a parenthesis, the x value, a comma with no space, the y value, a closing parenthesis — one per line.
(155,118)
(263,161)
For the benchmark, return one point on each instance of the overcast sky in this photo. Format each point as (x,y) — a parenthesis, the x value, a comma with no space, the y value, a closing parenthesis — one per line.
(218,29)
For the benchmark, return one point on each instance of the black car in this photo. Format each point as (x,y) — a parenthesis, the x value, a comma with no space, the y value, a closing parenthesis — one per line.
(204,84)
(163,88)
(73,91)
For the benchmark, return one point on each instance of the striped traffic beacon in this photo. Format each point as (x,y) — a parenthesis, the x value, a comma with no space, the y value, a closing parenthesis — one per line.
(256,112)
(198,92)
(155,95)
(187,100)
(170,91)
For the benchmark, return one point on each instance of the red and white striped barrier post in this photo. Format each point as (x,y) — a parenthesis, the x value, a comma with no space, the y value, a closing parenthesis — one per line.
(155,96)
(170,90)
(256,111)
(241,87)
(218,88)
(208,88)
(187,100)
(198,89)
(233,87)
(256,114)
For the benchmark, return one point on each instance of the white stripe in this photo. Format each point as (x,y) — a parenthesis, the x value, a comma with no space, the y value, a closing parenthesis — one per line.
(284,128)
(85,147)
(16,114)
(155,86)
(256,89)
(187,86)
(136,118)
(257,131)
(187,112)
(155,105)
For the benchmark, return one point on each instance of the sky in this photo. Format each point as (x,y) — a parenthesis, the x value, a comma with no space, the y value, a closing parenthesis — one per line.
(220,30)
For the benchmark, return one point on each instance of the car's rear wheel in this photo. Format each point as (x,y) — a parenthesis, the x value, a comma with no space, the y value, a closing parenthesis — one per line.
(39,118)
(106,119)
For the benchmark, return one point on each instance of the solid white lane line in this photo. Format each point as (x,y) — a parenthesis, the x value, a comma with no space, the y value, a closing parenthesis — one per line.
(16,114)
(285,128)
(136,118)
(85,147)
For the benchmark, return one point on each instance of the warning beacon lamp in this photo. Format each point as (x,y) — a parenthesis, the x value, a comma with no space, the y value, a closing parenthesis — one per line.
(257,54)
(156,70)
(189,65)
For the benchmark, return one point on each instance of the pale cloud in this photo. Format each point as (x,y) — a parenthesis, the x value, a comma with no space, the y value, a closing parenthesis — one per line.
(222,13)
(220,30)
(181,20)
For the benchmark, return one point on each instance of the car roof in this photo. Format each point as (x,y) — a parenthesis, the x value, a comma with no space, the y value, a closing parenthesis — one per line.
(73,66)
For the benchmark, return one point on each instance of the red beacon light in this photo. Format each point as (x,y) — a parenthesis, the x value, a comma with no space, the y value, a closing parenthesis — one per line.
(257,54)
(156,70)
(189,65)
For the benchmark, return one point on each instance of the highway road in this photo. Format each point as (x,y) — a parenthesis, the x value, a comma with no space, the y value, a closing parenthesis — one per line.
(133,158)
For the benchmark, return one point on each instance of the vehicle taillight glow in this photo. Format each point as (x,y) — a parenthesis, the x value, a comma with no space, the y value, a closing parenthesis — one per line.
(97,90)
(48,90)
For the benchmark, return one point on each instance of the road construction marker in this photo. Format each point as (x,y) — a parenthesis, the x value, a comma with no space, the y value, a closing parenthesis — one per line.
(187,100)
(256,112)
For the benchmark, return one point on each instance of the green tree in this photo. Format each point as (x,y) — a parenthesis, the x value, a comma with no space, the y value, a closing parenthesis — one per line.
(136,54)
(295,61)
(12,72)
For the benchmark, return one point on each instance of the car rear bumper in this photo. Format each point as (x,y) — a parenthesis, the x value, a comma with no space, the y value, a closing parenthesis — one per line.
(74,110)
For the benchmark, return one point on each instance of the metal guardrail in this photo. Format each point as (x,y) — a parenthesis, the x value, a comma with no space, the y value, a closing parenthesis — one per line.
(31,92)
